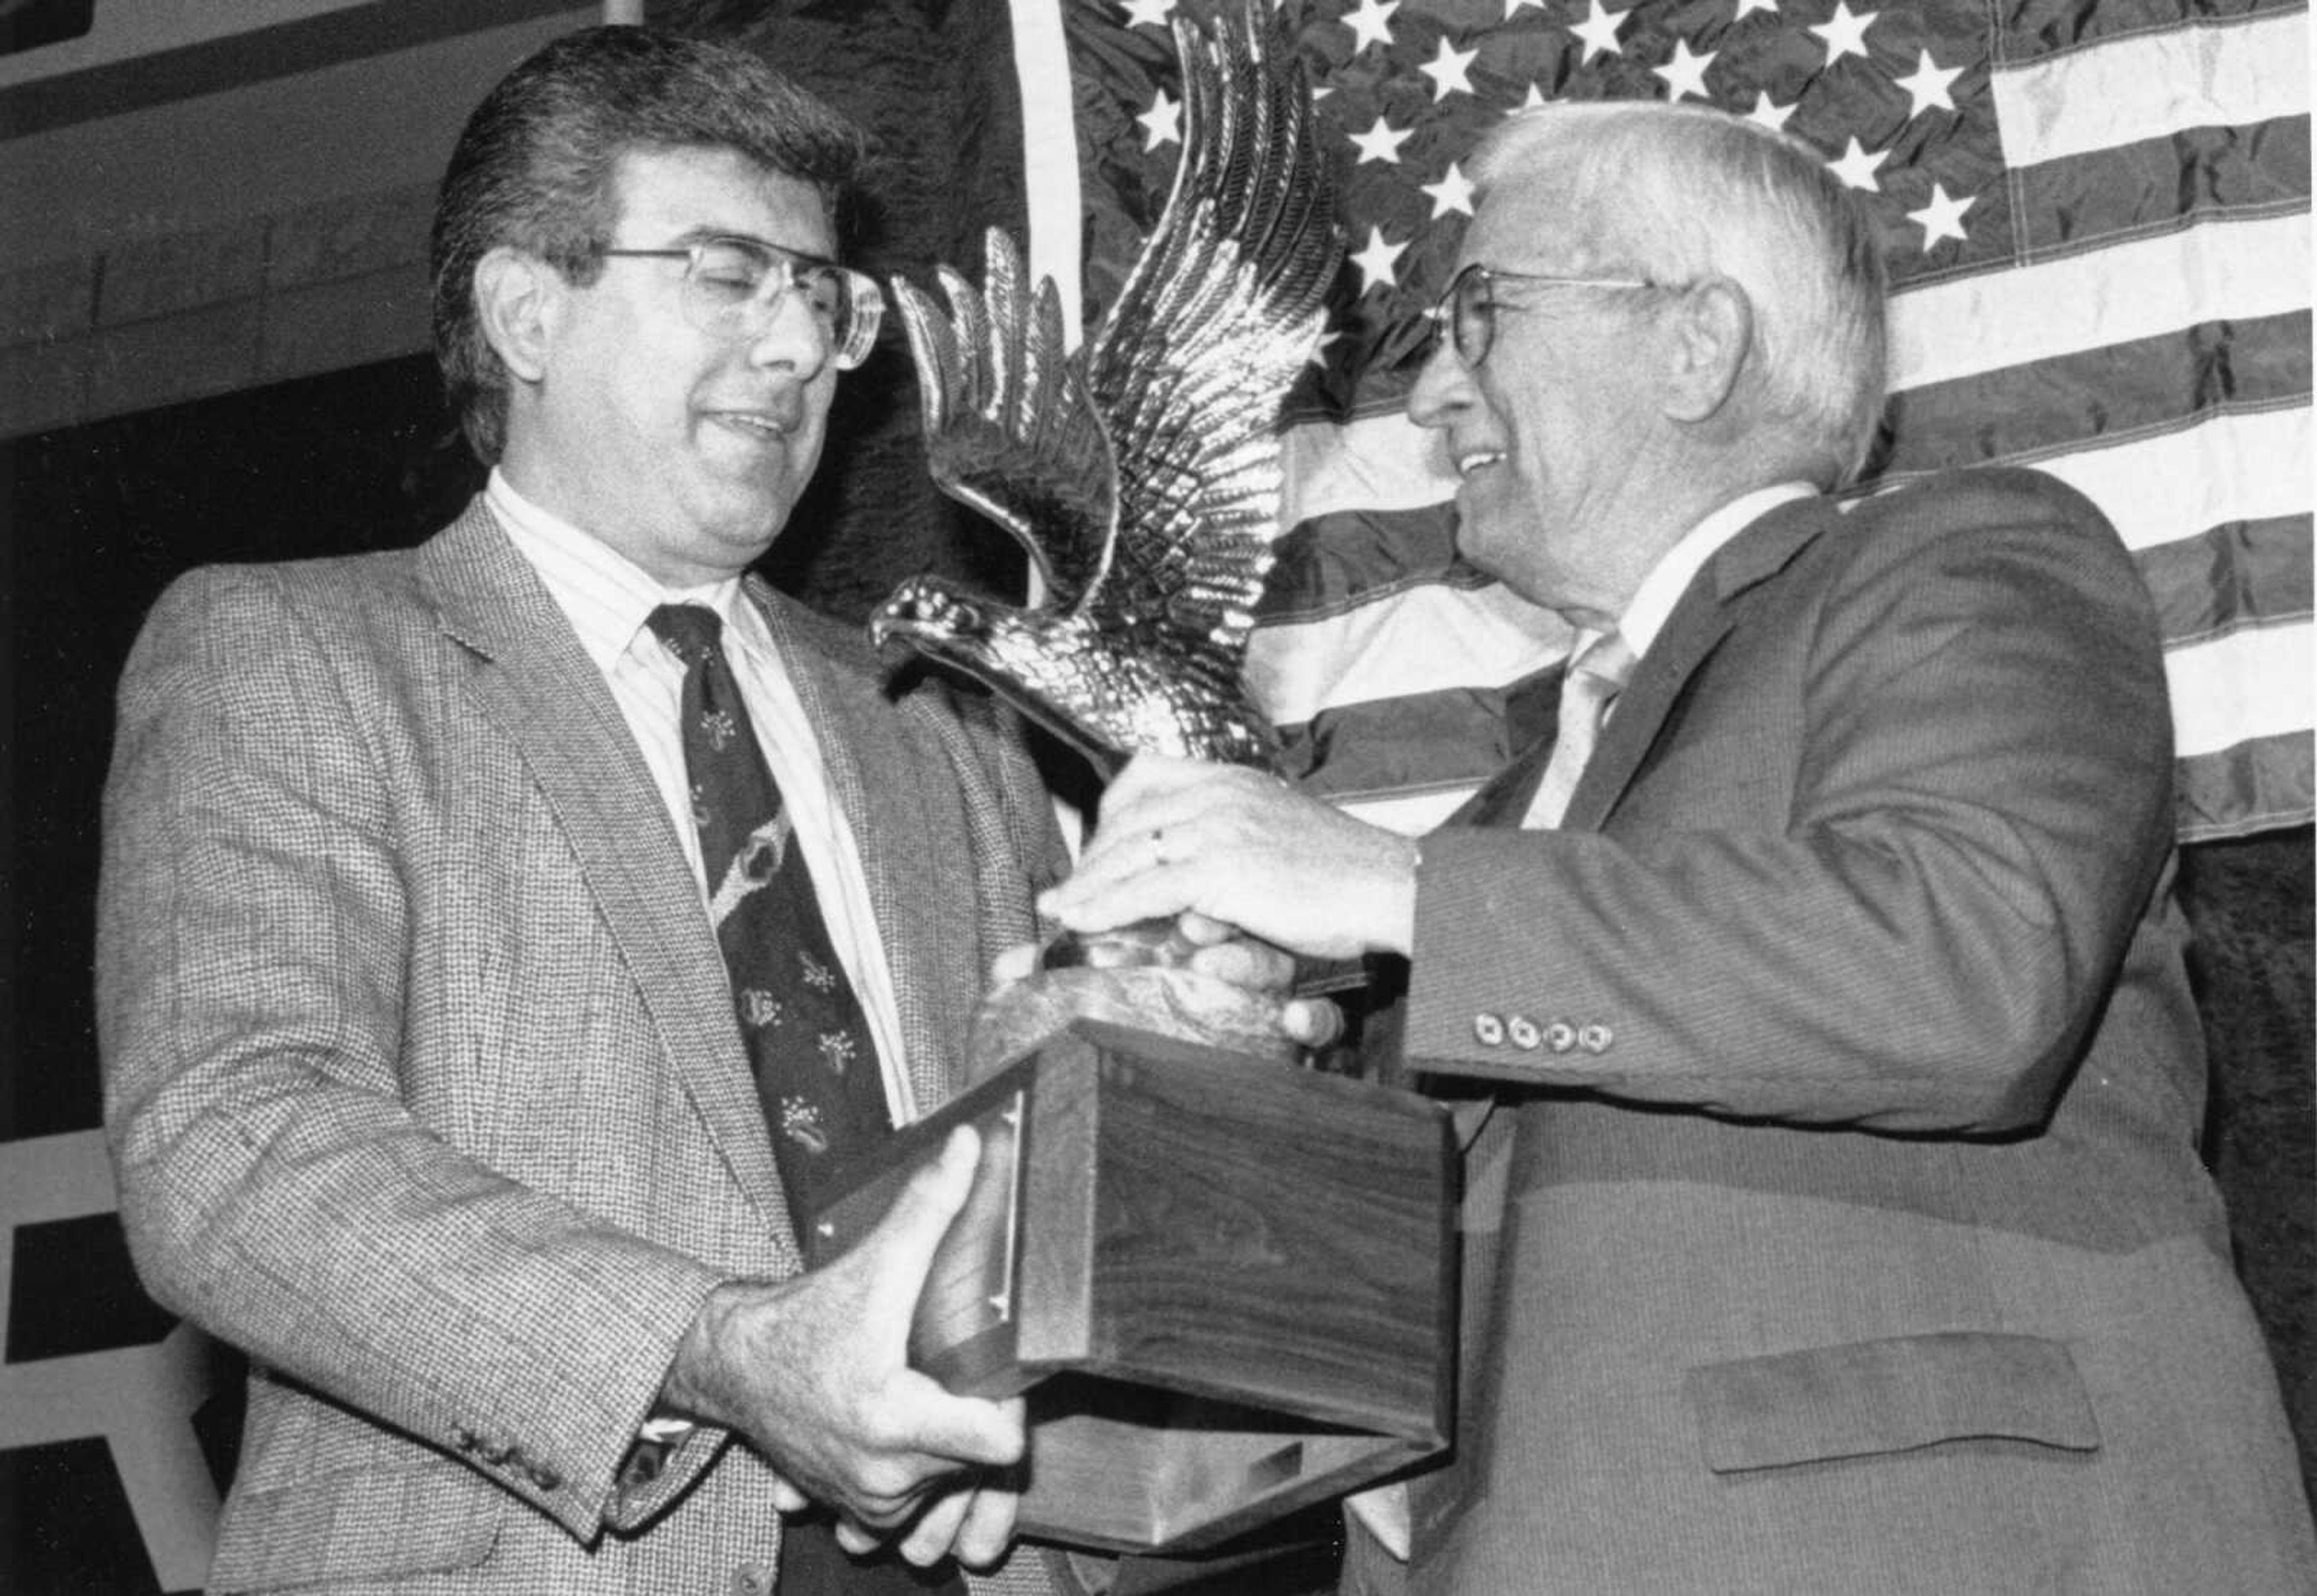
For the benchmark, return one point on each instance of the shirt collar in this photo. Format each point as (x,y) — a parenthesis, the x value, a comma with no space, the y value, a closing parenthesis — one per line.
(606,595)
(1670,577)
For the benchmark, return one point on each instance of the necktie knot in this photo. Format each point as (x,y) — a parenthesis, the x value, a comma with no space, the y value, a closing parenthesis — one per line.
(1597,675)
(693,630)
(1604,666)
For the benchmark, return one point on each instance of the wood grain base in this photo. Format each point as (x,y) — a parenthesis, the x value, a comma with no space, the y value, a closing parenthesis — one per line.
(1227,1285)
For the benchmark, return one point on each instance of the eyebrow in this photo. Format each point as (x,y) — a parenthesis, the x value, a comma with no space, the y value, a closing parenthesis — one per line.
(708,235)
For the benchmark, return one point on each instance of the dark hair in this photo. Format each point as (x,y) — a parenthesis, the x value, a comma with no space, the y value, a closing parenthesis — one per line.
(533,171)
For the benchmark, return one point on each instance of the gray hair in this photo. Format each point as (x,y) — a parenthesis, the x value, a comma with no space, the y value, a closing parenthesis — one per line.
(1679,193)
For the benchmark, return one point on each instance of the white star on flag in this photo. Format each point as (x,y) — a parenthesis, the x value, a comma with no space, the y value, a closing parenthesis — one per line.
(1686,73)
(1148,14)
(1856,166)
(1163,123)
(1381,142)
(1453,192)
(1371,23)
(1942,218)
(1376,261)
(1927,86)
(1513,5)
(1446,70)
(1746,8)
(1771,116)
(1845,34)
(1535,101)
(1599,30)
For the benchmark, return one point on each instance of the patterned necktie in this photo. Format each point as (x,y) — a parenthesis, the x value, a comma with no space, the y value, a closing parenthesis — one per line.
(1595,676)
(808,1038)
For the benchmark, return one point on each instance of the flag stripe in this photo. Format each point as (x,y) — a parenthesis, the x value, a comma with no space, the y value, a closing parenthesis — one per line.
(1378,463)
(1420,640)
(1050,155)
(2247,788)
(2145,84)
(2242,573)
(2227,467)
(1421,741)
(2038,27)
(2151,185)
(2218,270)
(2119,389)
(1327,565)
(2252,682)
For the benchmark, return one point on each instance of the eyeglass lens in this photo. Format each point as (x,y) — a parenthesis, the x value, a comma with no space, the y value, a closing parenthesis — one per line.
(1472,315)
(734,288)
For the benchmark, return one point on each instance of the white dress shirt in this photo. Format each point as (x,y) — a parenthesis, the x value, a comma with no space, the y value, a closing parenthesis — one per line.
(607,597)
(1661,588)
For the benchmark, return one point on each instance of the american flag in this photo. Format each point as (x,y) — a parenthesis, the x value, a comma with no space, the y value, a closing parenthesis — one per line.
(2096,222)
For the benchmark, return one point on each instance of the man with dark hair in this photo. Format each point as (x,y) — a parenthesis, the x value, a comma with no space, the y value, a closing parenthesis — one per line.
(1825,961)
(503,941)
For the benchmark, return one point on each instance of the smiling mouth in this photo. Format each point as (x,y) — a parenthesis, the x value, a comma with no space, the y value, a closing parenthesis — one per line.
(757,423)
(1466,464)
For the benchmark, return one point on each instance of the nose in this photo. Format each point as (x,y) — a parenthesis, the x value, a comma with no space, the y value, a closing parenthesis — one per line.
(1443,387)
(792,336)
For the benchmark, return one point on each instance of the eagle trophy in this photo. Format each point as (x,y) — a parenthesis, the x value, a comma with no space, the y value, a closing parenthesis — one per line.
(1143,474)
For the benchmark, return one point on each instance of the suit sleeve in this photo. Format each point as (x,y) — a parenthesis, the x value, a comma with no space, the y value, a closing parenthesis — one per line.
(255,932)
(1980,813)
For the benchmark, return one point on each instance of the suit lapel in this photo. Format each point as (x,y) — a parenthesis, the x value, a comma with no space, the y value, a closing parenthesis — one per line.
(1505,797)
(1698,623)
(540,689)
(877,791)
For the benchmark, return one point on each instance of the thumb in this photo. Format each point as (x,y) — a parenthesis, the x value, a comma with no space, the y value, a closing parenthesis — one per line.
(900,1249)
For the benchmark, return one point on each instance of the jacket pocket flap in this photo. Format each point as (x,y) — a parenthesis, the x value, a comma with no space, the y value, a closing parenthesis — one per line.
(1889,1395)
(356,1527)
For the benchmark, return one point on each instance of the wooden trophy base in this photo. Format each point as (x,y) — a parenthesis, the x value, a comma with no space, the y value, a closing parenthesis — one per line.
(1227,1285)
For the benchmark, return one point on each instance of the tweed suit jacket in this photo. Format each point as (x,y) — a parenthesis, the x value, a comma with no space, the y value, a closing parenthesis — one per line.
(422,1075)
(1857,1240)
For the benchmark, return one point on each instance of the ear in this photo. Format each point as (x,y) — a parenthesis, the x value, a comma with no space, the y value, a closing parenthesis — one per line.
(1708,330)
(517,298)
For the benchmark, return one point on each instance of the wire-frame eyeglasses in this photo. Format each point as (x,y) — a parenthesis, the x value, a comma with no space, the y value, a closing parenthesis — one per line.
(1467,312)
(733,288)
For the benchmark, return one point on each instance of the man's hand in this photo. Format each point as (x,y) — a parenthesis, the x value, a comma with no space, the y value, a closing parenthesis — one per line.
(814,1371)
(1215,949)
(1244,848)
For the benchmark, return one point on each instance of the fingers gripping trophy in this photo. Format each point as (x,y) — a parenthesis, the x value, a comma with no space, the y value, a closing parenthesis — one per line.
(1142,476)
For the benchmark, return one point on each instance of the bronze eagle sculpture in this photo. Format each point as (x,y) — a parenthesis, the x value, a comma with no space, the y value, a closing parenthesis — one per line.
(1141,473)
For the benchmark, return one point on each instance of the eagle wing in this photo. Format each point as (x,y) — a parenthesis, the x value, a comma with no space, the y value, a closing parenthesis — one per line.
(1188,370)
(1010,429)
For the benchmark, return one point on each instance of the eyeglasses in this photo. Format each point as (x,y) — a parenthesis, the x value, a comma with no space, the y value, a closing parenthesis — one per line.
(1467,312)
(733,288)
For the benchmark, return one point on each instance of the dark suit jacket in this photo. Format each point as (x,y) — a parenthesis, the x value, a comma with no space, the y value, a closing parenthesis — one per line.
(421,1074)
(1857,1238)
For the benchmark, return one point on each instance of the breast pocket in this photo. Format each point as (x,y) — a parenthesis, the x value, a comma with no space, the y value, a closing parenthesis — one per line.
(1896,1395)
